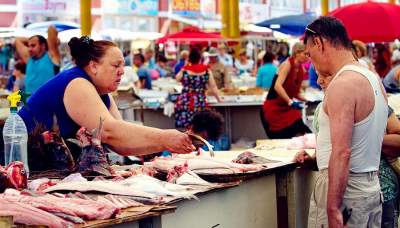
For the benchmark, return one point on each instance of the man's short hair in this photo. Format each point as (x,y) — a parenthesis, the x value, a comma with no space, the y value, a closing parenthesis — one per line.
(41,40)
(329,28)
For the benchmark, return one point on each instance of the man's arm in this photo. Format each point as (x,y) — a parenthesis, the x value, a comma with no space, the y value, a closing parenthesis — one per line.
(341,109)
(22,49)
(52,43)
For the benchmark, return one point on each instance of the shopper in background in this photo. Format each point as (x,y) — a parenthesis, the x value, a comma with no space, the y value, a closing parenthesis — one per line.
(392,79)
(42,58)
(184,55)
(149,58)
(244,65)
(266,73)
(218,69)
(142,71)
(19,74)
(195,78)
(282,109)
(381,59)
(361,52)
(5,55)
(161,66)
(224,57)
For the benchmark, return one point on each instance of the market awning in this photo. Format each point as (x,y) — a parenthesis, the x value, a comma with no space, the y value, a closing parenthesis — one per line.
(292,24)
(370,21)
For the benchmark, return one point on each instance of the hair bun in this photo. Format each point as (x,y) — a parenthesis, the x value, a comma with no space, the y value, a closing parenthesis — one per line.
(80,46)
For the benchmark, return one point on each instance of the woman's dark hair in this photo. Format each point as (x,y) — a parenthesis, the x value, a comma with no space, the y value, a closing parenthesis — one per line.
(20,66)
(41,40)
(194,56)
(84,50)
(329,28)
(139,56)
(208,121)
(268,57)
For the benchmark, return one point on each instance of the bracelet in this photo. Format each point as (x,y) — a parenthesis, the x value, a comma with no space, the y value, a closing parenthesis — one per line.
(290,102)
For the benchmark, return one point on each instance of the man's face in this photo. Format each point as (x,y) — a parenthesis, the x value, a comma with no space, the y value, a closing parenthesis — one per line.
(315,52)
(36,49)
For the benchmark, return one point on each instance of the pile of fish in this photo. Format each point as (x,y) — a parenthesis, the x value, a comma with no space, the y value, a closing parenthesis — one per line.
(62,212)
(141,188)
(202,165)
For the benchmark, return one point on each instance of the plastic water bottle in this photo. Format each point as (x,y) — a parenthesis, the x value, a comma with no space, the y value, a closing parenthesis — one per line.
(15,135)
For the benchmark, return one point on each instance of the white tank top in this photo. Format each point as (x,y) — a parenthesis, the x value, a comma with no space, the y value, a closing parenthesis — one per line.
(367,136)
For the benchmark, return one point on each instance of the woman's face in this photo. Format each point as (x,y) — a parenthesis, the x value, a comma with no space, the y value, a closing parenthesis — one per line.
(302,57)
(109,70)
(324,80)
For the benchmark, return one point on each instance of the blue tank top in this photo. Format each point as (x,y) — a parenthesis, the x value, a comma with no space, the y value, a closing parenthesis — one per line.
(38,72)
(48,100)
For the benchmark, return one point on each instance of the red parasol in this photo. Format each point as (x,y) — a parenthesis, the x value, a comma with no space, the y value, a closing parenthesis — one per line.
(192,35)
(370,21)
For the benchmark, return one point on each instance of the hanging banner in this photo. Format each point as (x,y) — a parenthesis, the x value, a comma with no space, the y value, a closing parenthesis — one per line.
(187,8)
(134,7)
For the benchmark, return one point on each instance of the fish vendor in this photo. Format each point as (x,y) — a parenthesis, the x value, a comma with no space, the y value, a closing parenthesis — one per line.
(80,97)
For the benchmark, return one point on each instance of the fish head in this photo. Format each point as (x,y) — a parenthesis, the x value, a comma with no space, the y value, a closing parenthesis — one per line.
(16,175)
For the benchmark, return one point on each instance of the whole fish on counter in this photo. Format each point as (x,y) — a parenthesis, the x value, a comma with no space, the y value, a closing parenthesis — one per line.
(28,215)
(154,186)
(203,164)
(112,187)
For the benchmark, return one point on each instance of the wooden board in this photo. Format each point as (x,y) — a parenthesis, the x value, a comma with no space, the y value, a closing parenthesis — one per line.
(131,215)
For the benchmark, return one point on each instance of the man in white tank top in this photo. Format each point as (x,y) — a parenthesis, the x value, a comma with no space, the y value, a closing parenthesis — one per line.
(352,122)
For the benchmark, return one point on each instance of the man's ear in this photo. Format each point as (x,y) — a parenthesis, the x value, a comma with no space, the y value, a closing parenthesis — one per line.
(318,42)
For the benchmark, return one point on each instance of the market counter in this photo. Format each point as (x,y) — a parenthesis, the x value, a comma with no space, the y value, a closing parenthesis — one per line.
(251,204)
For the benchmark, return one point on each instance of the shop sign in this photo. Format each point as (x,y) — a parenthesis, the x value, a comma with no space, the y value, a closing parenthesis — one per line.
(252,13)
(49,6)
(209,8)
(186,8)
(136,7)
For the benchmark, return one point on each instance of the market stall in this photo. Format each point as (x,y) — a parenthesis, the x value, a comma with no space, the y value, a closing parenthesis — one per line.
(234,189)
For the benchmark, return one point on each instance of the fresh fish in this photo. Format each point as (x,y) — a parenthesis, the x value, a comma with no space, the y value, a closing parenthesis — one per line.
(100,186)
(154,186)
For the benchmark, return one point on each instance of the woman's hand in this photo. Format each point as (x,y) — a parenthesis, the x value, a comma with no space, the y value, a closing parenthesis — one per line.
(177,142)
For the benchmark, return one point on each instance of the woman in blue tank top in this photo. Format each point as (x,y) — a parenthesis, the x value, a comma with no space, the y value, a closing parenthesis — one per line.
(79,97)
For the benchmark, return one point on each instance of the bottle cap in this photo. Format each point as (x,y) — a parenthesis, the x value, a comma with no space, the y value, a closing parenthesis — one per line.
(14,98)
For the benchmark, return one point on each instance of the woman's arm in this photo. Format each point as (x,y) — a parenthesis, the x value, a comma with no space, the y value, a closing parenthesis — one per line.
(283,72)
(134,139)
(212,86)
(179,76)
(391,141)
